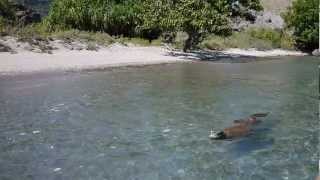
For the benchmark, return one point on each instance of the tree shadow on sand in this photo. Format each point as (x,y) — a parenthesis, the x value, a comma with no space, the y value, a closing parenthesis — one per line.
(207,55)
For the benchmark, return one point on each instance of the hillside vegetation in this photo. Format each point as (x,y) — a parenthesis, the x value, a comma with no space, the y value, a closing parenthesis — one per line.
(303,19)
(143,21)
(149,18)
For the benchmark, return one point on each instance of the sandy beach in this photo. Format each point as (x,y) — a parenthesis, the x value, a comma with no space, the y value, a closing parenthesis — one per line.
(77,60)
(113,56)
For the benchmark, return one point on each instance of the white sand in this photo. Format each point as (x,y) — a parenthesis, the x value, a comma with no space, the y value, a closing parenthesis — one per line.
(77,60)
(113,56)
(256,53)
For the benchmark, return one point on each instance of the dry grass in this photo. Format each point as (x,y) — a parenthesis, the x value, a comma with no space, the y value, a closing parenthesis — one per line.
(258,38)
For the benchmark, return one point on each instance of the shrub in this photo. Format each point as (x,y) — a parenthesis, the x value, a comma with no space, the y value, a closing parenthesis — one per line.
(259,38)
(6,10)
(113,17)
(303,18)
(266,34)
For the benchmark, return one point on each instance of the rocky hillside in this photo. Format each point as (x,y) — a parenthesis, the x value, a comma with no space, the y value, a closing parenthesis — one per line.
(41,6)
(269,18)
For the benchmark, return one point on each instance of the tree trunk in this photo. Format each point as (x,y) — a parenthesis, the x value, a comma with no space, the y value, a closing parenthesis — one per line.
(192,41)
(188,44)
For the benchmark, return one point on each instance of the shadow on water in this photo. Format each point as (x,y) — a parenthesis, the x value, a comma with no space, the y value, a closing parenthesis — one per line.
(259,140)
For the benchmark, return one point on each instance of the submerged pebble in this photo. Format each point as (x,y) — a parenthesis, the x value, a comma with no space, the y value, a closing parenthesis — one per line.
(166,130)
(181,172)
(35,132)
(57,169)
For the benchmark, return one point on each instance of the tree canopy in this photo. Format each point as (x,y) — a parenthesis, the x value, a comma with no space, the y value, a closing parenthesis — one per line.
(6,10)
(195,17)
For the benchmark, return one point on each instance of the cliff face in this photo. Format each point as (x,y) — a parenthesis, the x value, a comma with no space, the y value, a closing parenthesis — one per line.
(269,18)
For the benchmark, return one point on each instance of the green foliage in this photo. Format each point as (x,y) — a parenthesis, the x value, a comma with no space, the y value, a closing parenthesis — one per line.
(6,10)
(7,16)
(267,35)
(195,17)
(113,17)
(24,33)
(148,18)
(303,18)
(258,38)
(83,36)
(3,25)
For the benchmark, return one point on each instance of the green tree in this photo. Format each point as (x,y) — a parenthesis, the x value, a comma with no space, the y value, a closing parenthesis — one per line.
(6,10)
(195,17)
(303,18)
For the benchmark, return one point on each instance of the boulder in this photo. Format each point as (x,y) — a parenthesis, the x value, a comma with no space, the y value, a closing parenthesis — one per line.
(5,48)
(269,19)
(316,52)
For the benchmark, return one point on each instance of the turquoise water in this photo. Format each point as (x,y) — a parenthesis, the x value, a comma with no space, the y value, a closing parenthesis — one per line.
(153,122)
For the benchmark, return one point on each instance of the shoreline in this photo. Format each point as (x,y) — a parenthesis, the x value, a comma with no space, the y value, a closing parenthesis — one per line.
(116,56)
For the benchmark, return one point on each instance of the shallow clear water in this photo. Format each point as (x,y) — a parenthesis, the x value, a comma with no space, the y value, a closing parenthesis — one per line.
(153,122)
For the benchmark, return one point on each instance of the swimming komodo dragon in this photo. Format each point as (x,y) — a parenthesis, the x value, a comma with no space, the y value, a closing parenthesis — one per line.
(241,127)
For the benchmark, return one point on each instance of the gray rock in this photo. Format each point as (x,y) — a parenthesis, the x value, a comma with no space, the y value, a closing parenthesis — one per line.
(316,52)
(5,48)
(68,46)
(269,19)
(28,47)
(78,46)
(37,50)
(92,47)
(260,20)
